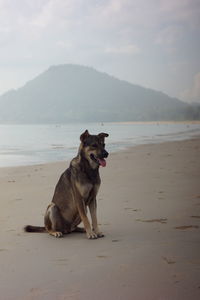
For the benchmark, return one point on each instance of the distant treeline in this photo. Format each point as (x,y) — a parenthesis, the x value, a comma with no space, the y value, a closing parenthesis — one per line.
(192,112)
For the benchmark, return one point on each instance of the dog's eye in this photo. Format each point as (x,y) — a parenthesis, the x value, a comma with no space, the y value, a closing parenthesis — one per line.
(94,145)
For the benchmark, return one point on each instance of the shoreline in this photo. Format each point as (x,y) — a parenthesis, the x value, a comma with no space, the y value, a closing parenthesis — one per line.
(149,210)
(109,122)
(128,148)
(36,148)
(158,122)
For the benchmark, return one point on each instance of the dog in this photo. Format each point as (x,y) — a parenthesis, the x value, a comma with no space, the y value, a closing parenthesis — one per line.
(76,190)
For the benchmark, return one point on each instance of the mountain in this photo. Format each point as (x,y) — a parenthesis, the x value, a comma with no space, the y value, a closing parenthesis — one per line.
(72,93)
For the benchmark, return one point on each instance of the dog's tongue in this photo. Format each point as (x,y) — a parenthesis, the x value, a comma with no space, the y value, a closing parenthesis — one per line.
(102,162)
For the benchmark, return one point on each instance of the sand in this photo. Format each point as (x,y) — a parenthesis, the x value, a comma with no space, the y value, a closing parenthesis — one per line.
(149,210)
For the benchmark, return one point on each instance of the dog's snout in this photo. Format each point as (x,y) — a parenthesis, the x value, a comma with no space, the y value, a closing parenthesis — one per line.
(105,153)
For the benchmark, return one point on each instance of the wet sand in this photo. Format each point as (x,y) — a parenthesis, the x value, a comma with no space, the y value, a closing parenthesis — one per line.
(149,210)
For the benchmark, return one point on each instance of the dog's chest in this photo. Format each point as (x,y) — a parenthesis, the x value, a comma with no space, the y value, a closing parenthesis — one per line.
(87,190)
(92,195)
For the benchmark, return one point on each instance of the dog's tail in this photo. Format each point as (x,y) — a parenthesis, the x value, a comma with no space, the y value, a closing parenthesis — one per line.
(30,228)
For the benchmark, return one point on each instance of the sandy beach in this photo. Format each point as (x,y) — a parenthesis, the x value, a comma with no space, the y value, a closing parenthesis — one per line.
(149,210)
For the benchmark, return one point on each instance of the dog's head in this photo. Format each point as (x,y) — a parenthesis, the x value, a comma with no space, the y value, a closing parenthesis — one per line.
(93,148)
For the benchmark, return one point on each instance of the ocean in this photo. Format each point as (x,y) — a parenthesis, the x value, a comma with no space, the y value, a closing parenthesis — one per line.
(37,144)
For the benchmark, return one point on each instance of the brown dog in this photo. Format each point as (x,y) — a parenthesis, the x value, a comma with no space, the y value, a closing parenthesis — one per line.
(76,189)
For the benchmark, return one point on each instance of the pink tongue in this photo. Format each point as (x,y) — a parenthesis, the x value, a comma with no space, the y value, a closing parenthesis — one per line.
(102,162)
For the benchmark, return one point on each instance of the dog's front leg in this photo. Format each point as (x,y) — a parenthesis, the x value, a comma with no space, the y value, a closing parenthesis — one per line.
(82,212)
(93,212)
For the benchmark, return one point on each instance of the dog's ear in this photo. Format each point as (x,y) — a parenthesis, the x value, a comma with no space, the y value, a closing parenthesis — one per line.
(102,135)
(84,135)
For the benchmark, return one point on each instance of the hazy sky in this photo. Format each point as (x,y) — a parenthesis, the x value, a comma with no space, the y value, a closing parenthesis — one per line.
(153,43)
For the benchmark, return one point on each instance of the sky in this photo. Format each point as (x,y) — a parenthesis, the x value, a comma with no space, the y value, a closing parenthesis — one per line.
(152,43)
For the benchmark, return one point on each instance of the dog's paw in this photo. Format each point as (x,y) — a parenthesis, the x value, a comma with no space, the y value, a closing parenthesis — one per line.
(92,235)
(57,234)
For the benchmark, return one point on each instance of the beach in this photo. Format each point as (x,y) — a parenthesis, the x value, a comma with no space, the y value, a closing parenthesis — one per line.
(149,210)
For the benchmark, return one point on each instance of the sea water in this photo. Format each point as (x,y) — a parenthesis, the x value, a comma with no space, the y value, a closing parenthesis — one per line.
(36,144)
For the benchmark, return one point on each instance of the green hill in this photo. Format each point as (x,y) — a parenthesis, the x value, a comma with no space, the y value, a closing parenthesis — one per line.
(72,93)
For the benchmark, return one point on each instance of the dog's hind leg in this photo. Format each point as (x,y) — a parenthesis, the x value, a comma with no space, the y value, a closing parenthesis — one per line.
(54,221)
